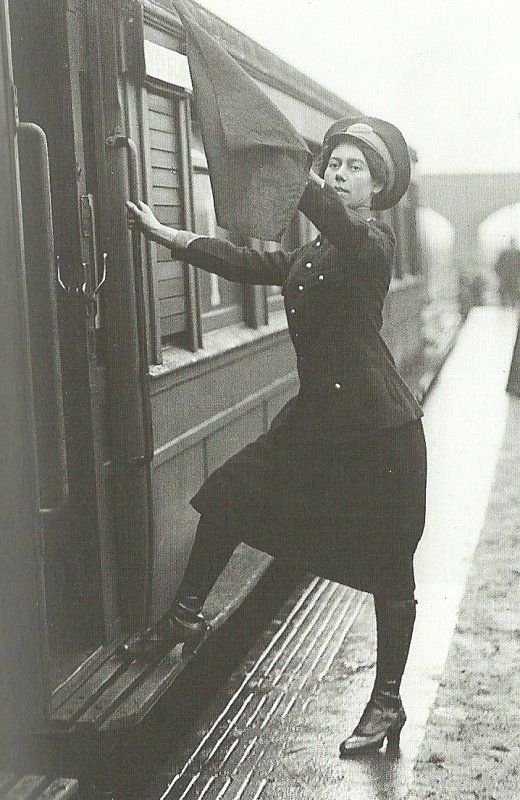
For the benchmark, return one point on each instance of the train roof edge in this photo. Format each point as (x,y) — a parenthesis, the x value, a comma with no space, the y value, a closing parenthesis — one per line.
(260,62)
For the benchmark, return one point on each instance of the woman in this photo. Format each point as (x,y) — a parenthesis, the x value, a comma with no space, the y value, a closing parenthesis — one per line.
(337,485)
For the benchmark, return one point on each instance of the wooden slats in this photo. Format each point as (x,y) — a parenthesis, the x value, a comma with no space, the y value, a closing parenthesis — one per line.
(169,215)
(37,787)
(135,707)
(113,695)
(174,287)
(169,271)
(171,306)
(74,706)
(88,668)
(162,159)
(160,103)
(61,789)
(161,122)
(159,140)
(28,787)
(166,196)
(167,177)
(172,325)
(164,255)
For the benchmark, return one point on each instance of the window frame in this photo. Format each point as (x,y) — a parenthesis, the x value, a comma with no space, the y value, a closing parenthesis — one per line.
(258,306)
(251,311)
(191,338)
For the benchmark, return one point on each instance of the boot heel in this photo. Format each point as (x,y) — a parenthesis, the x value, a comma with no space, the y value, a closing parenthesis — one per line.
(393,738)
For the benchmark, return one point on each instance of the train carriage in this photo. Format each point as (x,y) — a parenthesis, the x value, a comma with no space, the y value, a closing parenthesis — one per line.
(136,374)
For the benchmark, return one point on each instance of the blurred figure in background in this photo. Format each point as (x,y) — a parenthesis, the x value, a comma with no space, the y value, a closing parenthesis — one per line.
(508,272)
(513,382)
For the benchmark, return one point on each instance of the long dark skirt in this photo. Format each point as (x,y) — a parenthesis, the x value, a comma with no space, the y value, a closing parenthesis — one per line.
(352,511)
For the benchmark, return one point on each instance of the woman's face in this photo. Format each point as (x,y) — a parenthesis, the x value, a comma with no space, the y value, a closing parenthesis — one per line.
(348,173)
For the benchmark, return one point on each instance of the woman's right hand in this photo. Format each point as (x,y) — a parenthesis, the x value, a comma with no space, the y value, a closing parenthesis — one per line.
(143,216)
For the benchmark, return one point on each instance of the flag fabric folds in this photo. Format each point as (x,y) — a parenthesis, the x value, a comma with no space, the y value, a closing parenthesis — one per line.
(258,164)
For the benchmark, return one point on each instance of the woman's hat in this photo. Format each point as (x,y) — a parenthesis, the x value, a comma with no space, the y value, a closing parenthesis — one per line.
(384,139)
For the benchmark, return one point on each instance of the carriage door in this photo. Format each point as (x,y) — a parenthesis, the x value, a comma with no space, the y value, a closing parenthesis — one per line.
(63,257)
(23,664)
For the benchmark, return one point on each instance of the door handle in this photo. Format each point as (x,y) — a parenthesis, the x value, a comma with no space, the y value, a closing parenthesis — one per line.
(41,296)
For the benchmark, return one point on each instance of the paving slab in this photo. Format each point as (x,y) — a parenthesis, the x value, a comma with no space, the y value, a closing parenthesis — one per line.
(472,742)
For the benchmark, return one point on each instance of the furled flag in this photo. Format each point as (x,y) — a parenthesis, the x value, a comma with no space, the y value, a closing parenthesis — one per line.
(258,163)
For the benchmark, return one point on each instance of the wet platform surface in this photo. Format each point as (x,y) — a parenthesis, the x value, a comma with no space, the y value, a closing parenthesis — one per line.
(273,731)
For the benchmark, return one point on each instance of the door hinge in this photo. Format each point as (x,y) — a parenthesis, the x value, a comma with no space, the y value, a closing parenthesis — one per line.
(87,217)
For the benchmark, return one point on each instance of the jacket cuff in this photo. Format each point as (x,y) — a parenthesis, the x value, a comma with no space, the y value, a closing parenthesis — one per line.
(182,239)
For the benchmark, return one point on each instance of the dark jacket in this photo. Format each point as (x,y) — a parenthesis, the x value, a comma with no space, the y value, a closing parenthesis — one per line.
(334,289)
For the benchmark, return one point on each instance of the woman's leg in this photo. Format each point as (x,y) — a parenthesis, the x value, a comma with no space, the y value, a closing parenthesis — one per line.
(395,619)
(212,549)
(384,714)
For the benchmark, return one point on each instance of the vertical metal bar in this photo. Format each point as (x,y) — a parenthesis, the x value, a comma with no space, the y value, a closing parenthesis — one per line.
(52,459)
(133,163)
(190,273)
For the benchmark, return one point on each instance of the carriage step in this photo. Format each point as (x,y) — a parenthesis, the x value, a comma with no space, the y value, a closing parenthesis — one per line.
(107,695)
(36,787)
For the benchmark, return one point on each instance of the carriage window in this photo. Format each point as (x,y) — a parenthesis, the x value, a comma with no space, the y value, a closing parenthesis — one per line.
(165,197)
(220,300)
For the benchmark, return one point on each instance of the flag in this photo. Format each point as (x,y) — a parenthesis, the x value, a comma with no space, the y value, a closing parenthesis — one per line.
(258,164)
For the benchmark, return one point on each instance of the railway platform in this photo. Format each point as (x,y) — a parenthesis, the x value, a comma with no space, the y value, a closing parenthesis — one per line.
(273,729)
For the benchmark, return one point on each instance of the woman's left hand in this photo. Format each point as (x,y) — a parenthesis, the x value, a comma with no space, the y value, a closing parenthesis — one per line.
(143,216)
(316,178)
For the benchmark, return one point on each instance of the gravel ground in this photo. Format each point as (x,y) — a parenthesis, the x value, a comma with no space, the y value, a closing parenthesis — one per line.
(472,743)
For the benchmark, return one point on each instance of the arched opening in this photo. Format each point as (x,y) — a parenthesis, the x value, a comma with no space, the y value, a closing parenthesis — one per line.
(436,237)
(441,316)
(496,232)
(495,236)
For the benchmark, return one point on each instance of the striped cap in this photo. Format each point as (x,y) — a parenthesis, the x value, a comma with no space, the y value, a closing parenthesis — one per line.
(384,139)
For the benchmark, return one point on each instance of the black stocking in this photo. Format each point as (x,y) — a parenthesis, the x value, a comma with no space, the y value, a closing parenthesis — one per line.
(211,551)
(395,619)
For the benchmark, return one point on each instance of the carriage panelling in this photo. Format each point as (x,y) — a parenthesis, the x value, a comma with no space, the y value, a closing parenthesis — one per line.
(184,403)
(227,441)
(175,481)
(199,422)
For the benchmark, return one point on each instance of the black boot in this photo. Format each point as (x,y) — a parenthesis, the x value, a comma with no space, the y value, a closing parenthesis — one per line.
(184,623)
(384,715)
(383,718)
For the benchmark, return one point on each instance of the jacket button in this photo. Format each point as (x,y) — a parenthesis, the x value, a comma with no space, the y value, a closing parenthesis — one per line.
(308,264)
(318,243)
(337,386)
(320,278)
(293,311)
(300,288)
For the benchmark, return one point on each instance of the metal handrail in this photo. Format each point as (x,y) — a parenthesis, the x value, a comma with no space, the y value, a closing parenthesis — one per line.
(52,462)
(140,305)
